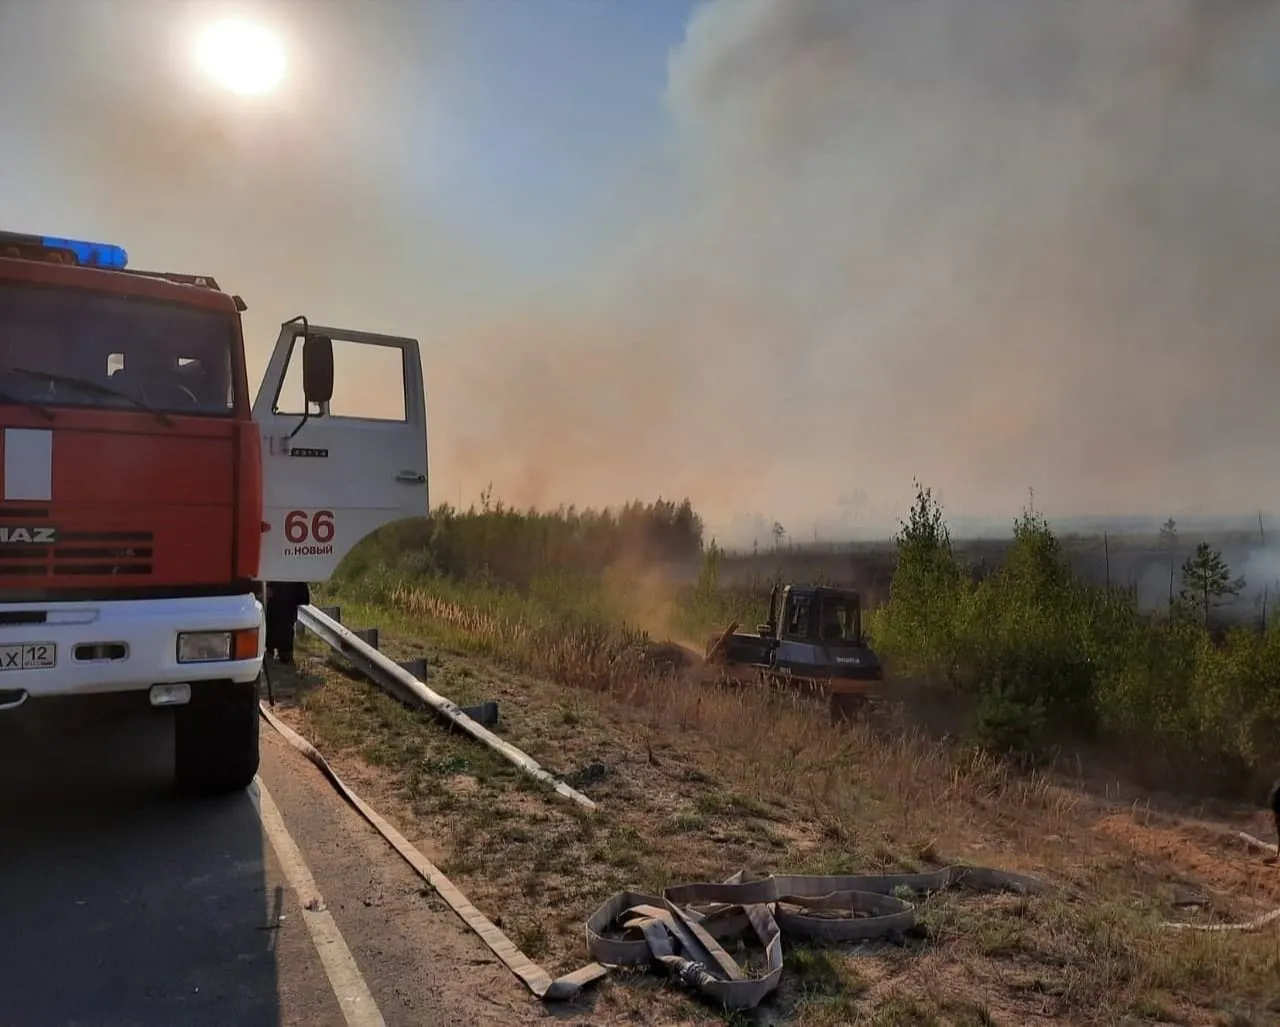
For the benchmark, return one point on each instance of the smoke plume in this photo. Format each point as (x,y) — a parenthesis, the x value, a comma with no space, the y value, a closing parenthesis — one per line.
(994,244)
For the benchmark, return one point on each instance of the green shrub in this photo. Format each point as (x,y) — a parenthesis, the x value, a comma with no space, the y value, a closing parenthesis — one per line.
(930,600)
(1043,653)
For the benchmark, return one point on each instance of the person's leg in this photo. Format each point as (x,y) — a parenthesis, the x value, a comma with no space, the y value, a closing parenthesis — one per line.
(1275,813)
(285,644)
(274,640)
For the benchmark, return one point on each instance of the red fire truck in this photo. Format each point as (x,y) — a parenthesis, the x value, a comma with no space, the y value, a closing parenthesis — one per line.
(143,494)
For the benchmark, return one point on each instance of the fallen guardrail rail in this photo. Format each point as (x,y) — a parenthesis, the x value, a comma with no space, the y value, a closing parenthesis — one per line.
(398,682)
(485,713)
(536,979)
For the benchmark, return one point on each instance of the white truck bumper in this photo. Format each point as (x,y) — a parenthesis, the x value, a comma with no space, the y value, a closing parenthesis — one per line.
(121,645)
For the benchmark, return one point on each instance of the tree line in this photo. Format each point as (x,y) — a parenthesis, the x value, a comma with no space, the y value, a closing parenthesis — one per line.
(1044,654)
(511,547)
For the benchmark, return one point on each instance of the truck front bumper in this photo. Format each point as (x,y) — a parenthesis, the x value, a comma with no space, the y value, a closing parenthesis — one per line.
(83,648)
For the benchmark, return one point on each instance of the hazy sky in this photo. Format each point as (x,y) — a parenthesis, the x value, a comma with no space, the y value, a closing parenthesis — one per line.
(779,256)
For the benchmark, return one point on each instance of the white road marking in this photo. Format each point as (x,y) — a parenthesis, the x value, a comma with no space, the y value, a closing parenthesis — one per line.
(28,464)
(344,976)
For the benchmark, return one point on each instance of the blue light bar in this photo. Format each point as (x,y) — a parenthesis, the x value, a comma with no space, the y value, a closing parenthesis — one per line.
(42,247)
(90,254)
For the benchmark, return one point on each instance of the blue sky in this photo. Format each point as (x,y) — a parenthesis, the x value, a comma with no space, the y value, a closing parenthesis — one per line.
(542,102)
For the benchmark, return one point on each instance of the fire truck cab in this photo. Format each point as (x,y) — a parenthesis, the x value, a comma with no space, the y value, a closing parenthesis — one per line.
(144,494)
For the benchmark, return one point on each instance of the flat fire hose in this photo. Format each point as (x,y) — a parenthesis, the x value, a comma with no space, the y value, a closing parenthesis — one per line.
(684,940)
(769,907)
(534,977)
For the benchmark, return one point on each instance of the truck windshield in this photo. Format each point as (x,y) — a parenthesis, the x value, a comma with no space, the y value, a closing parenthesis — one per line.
(75,348)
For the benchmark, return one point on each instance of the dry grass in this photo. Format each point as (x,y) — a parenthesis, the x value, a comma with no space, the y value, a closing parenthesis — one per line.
(694,784)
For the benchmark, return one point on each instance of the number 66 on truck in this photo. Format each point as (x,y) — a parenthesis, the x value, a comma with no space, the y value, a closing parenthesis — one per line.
(143,494)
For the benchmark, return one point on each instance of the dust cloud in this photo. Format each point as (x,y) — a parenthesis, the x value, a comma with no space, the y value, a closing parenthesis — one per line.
(995,244)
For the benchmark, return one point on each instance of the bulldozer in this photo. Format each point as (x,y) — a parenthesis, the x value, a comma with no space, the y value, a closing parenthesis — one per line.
(813,643)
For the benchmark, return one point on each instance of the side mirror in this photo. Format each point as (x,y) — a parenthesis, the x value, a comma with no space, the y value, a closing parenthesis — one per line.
(764,629)
(317,368)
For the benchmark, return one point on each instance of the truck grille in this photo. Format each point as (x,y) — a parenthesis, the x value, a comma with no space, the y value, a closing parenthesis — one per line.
(76,554)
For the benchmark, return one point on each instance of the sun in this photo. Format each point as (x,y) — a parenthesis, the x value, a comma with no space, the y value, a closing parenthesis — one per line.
(242,56)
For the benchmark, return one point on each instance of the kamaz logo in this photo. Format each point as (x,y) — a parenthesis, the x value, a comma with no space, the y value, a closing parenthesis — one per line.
(24,536)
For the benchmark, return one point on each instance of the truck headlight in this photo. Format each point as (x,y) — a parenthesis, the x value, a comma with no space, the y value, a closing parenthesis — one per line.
(217,646)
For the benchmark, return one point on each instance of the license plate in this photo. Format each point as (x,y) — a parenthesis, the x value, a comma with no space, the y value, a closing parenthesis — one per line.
(28,656)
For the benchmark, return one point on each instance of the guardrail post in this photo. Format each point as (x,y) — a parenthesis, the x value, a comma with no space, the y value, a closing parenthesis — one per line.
(485,713)
(369,636)
(417,667)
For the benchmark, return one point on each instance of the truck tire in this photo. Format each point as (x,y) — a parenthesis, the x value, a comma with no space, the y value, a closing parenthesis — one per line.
(216,738)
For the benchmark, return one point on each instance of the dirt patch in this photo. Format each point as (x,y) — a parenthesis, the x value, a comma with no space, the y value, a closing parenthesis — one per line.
(1237,876)
(461,784)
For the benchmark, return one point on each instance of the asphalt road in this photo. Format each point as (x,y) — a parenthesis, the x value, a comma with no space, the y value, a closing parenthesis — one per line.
(122,904)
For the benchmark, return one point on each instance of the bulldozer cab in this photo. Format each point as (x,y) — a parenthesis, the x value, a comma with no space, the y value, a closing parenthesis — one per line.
(817,615)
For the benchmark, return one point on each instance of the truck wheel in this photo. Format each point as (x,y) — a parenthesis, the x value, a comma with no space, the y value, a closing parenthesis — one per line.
(216,738)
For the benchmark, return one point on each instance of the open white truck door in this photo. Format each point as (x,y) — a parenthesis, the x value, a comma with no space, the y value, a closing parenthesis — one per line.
(337,469)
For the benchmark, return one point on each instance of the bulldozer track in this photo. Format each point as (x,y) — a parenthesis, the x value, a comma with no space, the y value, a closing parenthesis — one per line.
(841,706)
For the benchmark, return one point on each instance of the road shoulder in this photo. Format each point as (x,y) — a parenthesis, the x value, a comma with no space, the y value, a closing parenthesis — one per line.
(420,963)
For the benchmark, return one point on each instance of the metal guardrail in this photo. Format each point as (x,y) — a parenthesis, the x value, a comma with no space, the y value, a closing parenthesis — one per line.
(397,681)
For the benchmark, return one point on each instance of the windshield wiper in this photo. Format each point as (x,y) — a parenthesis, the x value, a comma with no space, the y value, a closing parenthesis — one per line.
(92,386)
(43,411)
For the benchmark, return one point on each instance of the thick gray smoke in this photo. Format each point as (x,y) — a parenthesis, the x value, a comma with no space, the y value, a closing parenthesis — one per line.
(995,244)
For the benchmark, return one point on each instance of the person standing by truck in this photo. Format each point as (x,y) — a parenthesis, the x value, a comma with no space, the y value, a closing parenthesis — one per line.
(283,600)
